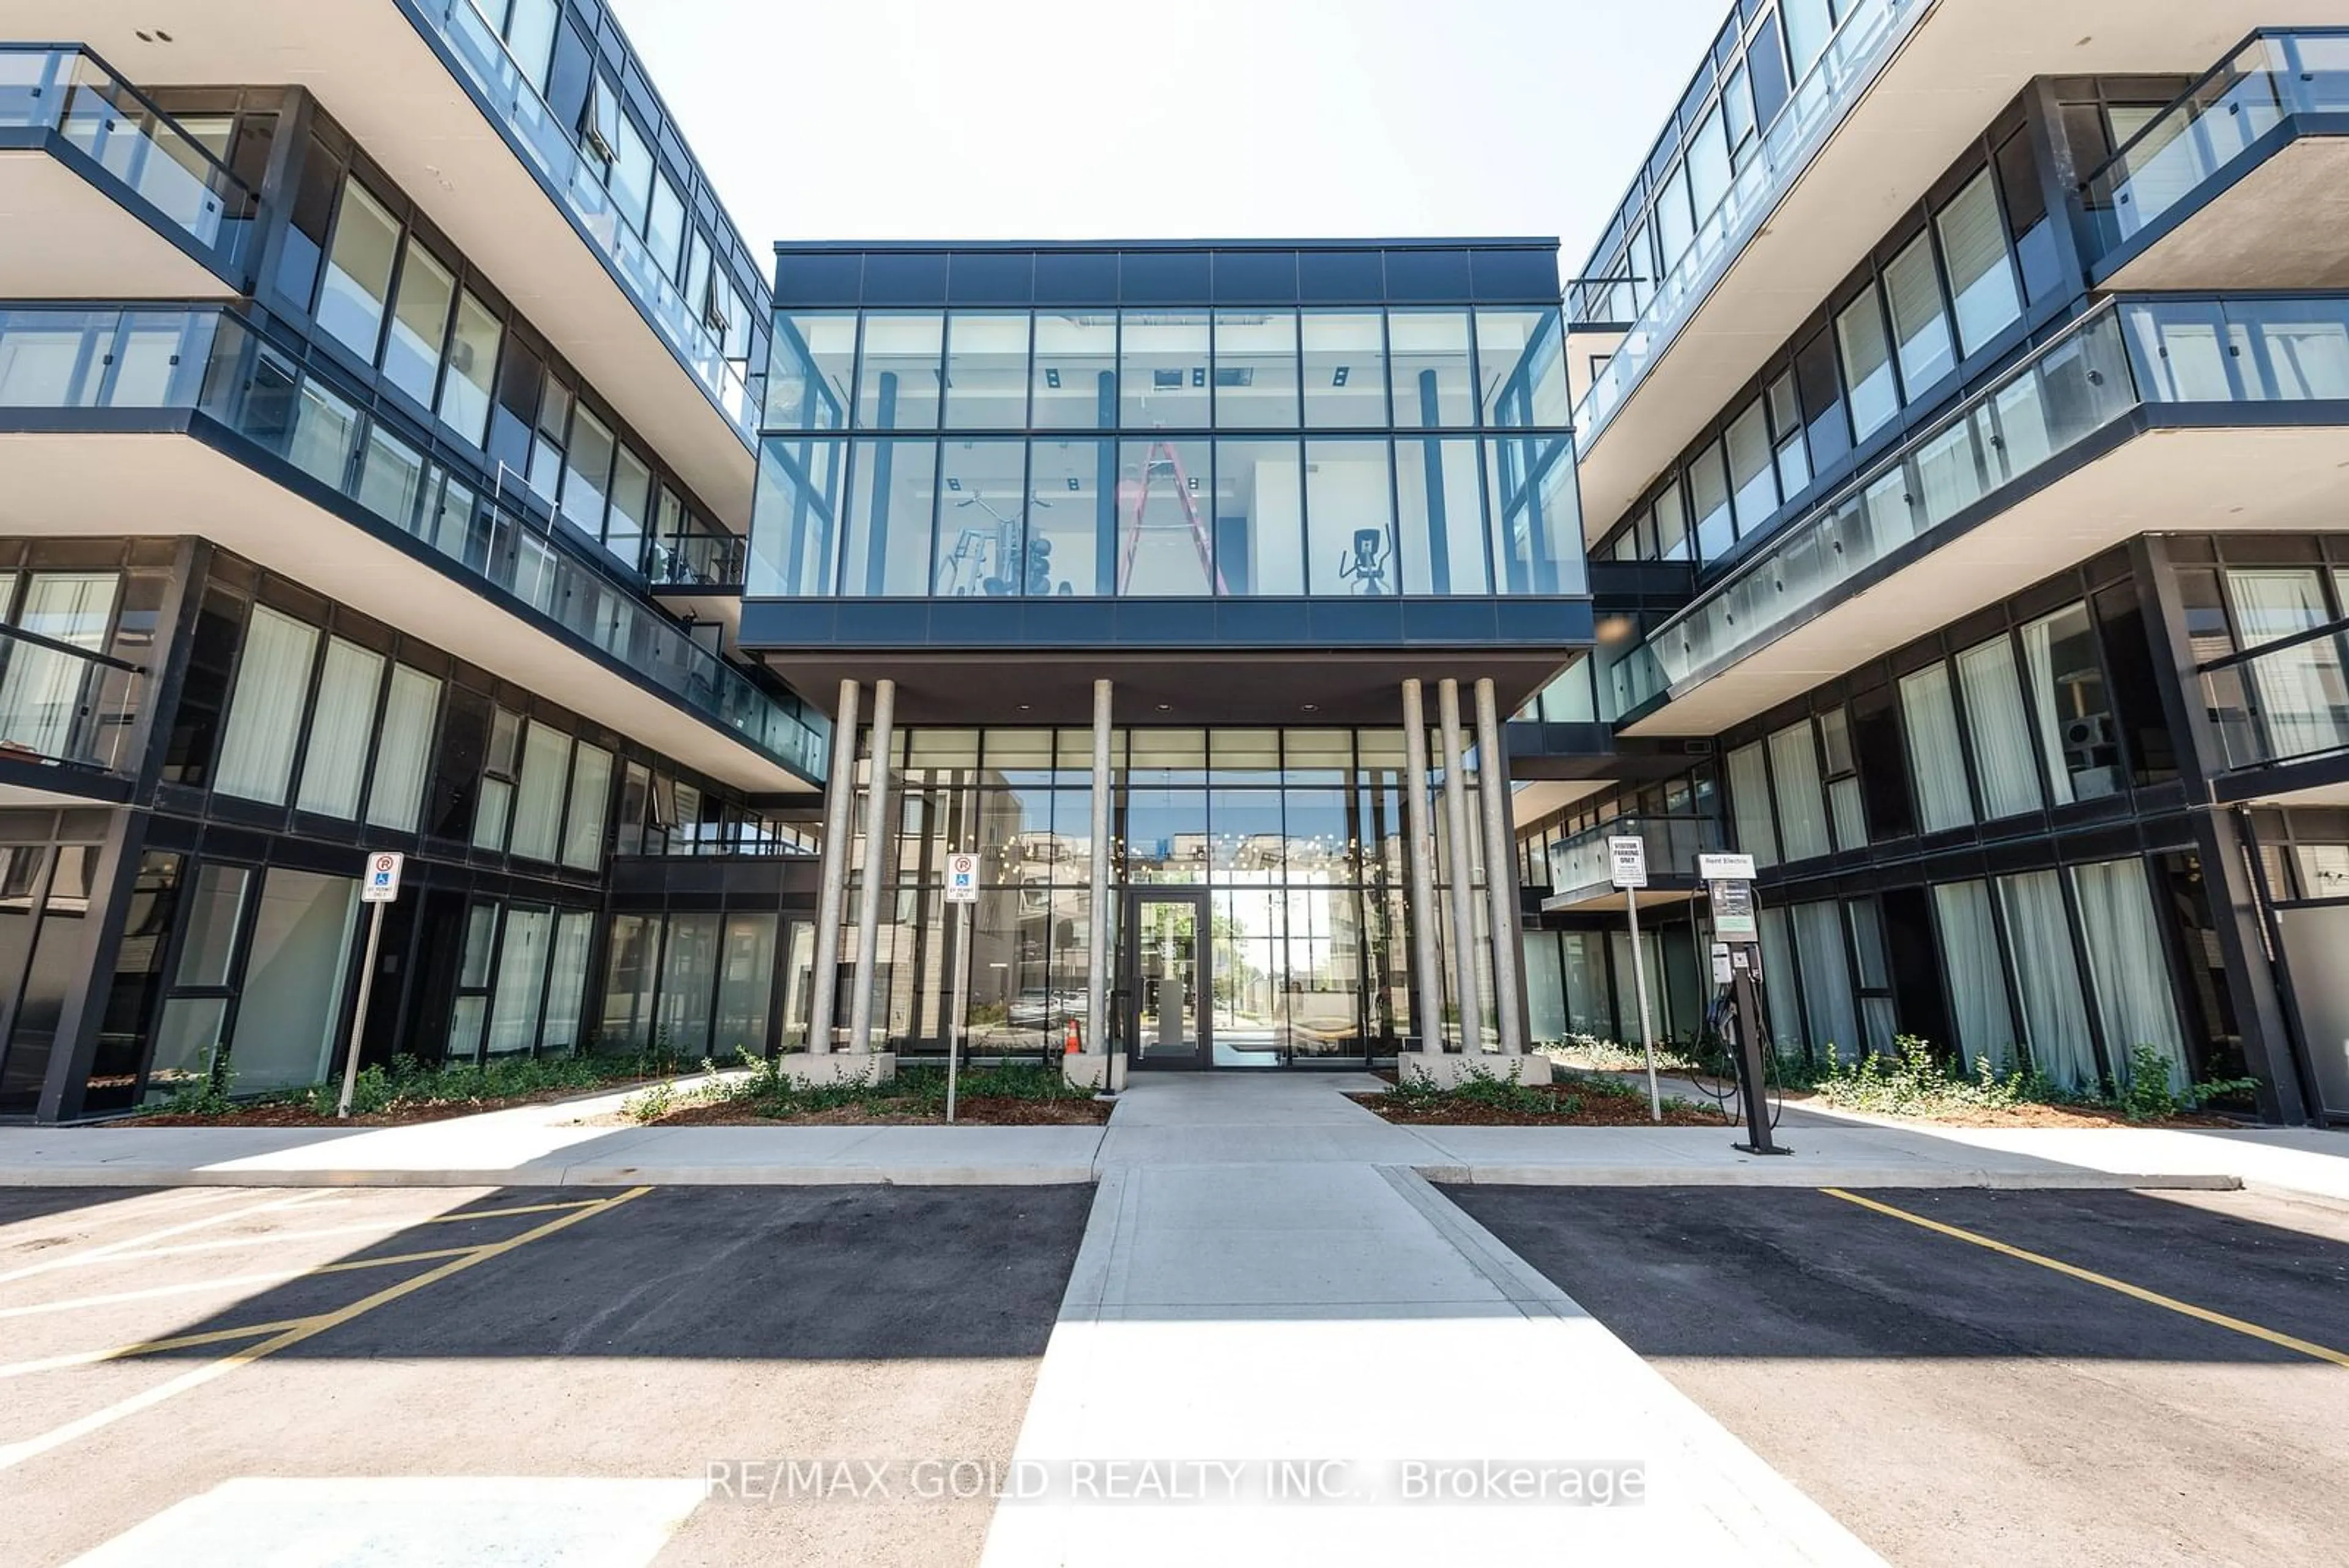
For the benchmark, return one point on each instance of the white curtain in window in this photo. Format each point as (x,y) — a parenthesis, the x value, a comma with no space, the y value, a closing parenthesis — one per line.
(1826,981)
(1782,998)
(1749,801)
(1977,974)
(2303,699)
(264,711)
(2039,658)
(2134,996)
(291,990)
(1936,754)
(1999,728)
(1802,806)
(396,794)
(538,807)
(591,792)
(340,727)
(1877,1011)
(2039,943)
(566,987)
(43,692)
(521,975)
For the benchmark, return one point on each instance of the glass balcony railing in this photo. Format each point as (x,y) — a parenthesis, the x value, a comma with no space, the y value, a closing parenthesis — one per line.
(1579,865)
(511,94)
(2285,700)
(74,94)
(2133,351)
(2272,78)
(1863,41)
(211,361)
(66,706)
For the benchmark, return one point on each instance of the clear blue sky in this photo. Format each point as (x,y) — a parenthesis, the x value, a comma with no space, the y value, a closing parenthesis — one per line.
(1113,118)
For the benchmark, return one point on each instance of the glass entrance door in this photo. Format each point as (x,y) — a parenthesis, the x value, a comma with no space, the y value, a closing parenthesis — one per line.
(1167,955)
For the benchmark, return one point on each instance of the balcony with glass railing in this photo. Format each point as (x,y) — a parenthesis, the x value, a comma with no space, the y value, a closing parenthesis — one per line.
(66,707)
(122,142)
(507,93)
(2275,86)
(2228,356)
(211,361)
(1864,40)
(1580,869)
(2285,700)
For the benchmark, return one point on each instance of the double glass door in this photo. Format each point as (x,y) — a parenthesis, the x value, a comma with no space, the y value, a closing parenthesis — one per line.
(1169,956)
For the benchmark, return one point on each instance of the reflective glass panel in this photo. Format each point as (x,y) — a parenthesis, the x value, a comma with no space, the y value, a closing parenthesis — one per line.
(1163,370)
(983,547)
(1345,359)
(808,371)
(1255,370)
(1075,373)
(472,361)
(986,370)
(1164,545)
(1350,519)
(1867,353)
(891,490)
(411,359)
(795,519)
(1521,368)
(1072,514)
(1260,517)
(897,381)
(1443,517)
(359,271)
(1429,368)
(1918,322)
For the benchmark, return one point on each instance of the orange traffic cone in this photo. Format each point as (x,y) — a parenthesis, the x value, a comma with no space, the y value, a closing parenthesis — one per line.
(1072,1045)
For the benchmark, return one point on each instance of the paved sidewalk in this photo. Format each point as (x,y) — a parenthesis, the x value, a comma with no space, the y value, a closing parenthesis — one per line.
(1210,1119)
(1281,1341)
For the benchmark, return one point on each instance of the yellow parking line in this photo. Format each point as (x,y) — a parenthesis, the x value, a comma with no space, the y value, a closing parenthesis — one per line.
(2154,1298)
(68,1260)
(150,1347)
(235,1243)
(230,1281)
(17,1453)
(505,1213)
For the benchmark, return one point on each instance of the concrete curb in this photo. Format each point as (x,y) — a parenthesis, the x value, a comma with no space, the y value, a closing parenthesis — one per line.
(1782,1175)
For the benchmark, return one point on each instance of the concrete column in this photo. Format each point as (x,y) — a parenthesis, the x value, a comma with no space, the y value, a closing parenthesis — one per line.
(1463,868)
(1500,868)
(1419,843)
(877,876)
(839,794)
(1097,926)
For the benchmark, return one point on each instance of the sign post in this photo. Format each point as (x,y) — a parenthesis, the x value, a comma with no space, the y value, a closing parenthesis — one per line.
(1737,935)
(962,888)
(381,887)
(1627,866)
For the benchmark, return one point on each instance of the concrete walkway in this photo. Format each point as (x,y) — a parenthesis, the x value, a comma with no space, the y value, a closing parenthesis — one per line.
(1203,1119)
(1298,1336)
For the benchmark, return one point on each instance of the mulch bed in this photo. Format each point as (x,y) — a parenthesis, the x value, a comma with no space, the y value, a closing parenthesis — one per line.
(285,1115)
(1576,1107)
(983,1110)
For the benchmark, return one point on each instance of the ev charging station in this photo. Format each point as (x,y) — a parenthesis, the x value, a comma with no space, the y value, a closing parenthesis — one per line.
(1737,965)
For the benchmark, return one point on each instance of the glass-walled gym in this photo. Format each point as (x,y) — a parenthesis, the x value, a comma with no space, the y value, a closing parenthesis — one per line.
(1252,452)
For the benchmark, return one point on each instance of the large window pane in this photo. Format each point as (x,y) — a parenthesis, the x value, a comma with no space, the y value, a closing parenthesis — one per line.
(1802,805)
(420,323)
(587,473)
(1716,528)
(1708,165)
(395,793)
(1536,515)
(890,489)
(1429,368)
(290,997)
(795,518)
(1749,803)
(746,981)
(808,370)
(1443,508)
(358,272)
(1345,369)
(2077,738)
(265,713)
(986,370)
(1075,377)
(1350,518)
(538,808)
(1255,370)
(591,796)
(630,971)
(1260,517)
(1164,545)
(45,692)
(472,361)
(897,382)
(1828,1015)
(982,523)
(2047,979)
(1162,371)
(1521,368)
(1751,469)
(1867,353)
(632,496)
(566,984)
(340,727)
(2001,733)
(1936,754)
(2127,967)
(1074,519)
(688,971)
(521,980)
(1976,975)
(1973,246)
(1918,324)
